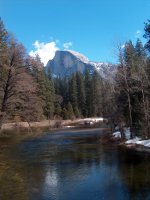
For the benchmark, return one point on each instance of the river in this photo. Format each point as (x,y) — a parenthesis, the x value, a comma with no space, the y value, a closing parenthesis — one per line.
(72,165)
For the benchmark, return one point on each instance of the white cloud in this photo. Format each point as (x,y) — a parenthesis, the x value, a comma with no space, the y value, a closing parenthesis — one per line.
(46,51)
(123,46)
(67,45)
(138,33)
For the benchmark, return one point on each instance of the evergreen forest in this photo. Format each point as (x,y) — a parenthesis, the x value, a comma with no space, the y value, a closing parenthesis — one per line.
(28,93)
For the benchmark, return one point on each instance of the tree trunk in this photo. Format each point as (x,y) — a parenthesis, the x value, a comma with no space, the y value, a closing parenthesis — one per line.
(130,114)
(145,111)
(6,94)
(6,91)
(2,119)
(128,95)
(148,122)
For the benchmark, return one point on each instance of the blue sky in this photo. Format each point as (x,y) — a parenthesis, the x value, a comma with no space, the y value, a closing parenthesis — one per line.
(91,27)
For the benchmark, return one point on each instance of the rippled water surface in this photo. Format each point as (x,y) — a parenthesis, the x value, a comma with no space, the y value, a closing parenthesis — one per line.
(72,165)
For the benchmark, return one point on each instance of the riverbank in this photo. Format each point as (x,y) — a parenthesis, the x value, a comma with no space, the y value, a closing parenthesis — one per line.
(50,125)
(31,128)
(139,144)
(27,125)
(135,143)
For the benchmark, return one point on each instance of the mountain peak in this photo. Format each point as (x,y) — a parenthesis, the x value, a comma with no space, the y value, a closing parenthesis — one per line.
(68,62)
(79,56)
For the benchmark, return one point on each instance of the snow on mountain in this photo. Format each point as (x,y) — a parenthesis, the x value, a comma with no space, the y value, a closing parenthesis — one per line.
(79,56)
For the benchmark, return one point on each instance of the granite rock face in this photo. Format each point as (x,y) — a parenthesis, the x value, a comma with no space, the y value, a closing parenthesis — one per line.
(68,62)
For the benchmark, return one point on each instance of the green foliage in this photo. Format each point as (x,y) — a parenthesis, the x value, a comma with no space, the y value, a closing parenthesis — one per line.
(132,87)
(147,35)
(29,93)
(70,111)
(81,93)
(3,38)
(88,94)
(58,110)
(46,93)
(18,88)
(96,95)
(65,114)
(77,112)
(73,90)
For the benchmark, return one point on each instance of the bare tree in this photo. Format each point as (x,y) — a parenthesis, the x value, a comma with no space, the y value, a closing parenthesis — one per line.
(19,90)
(123,77)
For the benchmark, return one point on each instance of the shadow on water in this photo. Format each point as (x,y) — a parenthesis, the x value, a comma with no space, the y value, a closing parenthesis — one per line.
(72,165)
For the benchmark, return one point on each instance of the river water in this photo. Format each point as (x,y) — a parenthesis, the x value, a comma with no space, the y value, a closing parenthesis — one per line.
(72,165)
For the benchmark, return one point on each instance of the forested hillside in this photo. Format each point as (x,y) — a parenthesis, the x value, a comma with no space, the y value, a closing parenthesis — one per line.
(28,93)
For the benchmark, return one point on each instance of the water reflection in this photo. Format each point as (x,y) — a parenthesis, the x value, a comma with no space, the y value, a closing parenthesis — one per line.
(135,173)
(72,165)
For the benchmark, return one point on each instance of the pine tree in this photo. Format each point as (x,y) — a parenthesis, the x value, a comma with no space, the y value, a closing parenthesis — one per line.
(49,74)
(147,35)
(58,104)
(96,95)
(65,114)
(140,50)
(70,111)
(129,54)
(123,91)
(130,84)
(77,112)
(3,57)
(57,109)
(3,41)
(47,94)
(88,94)
(64,90)
(81,93)
(142,80)
(73,90)
(18,91)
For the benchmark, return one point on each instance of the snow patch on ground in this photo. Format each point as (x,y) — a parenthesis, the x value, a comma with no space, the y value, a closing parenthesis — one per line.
(94,119)
(133,141)
(117,134)
(127,133)
(137,140)
(145,143)
(69,126)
